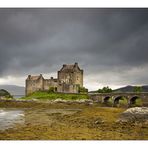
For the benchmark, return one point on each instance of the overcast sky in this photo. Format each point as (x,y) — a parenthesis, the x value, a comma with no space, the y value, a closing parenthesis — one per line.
(111,45)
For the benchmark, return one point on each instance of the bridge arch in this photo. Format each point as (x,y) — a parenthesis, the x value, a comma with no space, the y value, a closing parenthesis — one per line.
(118,99)
(133,100)
(106,99)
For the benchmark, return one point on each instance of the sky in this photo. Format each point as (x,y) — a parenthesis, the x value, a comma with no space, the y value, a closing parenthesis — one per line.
(110,45)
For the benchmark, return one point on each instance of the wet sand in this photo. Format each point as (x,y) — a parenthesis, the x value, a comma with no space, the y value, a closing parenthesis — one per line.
(71,121)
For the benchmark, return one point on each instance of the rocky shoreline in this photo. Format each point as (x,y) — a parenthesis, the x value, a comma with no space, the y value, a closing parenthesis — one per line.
(75,121)
(134,115)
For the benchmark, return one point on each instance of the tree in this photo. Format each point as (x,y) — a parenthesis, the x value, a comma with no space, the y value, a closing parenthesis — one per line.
(83,90)
(51,89)
(105,90)
(5,93)
(137,89)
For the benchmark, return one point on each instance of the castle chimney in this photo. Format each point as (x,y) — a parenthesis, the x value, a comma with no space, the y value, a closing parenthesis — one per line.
(76,64)
(64,65)
(29,76)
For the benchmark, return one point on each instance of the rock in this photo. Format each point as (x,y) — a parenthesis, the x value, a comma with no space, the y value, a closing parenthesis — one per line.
(89,102)
(34,99)
(59,100)
(99,121)
(135,114)
(80,101)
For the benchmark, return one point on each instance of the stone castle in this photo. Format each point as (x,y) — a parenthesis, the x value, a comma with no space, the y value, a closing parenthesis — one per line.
(69,79)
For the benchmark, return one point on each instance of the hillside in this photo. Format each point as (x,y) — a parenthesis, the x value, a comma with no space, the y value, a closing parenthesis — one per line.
(4,93)
(130,88)
(14,89)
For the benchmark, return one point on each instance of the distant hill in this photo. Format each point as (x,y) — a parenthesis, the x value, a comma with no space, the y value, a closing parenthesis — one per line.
(130,88)
(14,89)
(5,93)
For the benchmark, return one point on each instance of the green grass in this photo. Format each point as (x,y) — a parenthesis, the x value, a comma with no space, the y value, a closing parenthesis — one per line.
(138,102)
(53,96)
(123,101)
(110,102)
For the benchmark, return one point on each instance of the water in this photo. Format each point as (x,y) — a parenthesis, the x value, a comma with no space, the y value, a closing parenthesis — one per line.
(18,96)
(9,117)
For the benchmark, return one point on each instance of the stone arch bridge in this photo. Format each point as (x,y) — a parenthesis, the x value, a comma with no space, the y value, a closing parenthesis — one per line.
(114,98)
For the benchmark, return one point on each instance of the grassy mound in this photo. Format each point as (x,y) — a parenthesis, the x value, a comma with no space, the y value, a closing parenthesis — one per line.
(5,93)
(53,96)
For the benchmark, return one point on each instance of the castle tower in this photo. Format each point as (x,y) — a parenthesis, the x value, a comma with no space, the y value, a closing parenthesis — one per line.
(34,83)
(70,78)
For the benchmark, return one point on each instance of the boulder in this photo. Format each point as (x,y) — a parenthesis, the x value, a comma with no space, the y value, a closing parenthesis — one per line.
(59,100)
(135,114)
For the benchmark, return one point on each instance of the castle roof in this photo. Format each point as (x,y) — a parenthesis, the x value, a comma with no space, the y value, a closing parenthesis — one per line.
(70,68)
(34,77)
(55,80)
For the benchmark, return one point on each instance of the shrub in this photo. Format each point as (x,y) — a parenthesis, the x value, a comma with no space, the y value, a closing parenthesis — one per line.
(83,90)
(51,89)
(137,89)
(5,93)
(105,90)
(53,96)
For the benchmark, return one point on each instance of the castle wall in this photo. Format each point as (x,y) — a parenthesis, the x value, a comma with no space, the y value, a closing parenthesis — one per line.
(34,85)
(67,88)
(70,78)
(50,83)
(78,78)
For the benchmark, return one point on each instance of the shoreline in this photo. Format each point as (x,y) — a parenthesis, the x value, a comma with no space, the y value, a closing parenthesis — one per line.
(71,121)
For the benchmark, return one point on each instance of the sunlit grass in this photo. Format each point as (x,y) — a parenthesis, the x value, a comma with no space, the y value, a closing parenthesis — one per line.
(53,96)
(138,102)
(123,102)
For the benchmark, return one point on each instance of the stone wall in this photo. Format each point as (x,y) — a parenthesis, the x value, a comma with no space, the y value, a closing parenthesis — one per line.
(50,83)
(67,88)
(70,78)
(34,85)
(101,97)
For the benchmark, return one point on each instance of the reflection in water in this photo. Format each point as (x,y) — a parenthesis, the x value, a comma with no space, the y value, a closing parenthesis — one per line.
(9,117)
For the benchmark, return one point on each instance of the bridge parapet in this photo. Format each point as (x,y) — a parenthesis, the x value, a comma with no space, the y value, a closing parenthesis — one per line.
(127,93)
(115,97)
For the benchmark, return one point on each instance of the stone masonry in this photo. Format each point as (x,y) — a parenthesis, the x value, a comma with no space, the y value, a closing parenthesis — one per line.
(70,78)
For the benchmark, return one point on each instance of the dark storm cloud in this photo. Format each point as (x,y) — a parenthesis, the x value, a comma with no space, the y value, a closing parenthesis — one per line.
(104,41)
